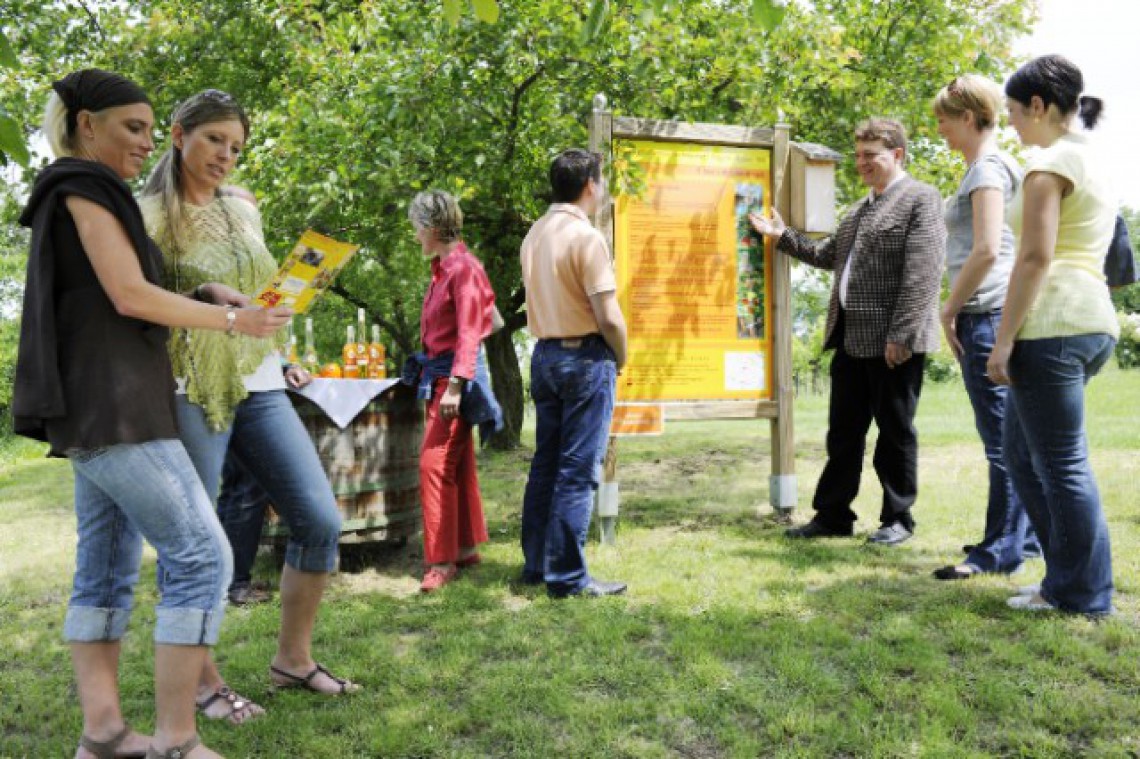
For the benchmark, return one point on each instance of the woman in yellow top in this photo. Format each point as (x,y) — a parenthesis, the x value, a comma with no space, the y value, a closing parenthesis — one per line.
(1057,331)
(231,394)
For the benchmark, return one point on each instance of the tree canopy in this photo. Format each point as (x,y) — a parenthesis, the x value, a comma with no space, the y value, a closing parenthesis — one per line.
(357,105)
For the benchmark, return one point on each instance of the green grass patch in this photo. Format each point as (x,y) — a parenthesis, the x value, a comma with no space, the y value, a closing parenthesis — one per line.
(732,642)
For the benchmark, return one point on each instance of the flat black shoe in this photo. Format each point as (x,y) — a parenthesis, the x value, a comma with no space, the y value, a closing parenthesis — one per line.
(890,535)
(596,589)
(527,578)
(952,572)
(814,529)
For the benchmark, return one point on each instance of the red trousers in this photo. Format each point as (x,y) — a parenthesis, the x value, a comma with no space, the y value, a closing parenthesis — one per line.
(449,486)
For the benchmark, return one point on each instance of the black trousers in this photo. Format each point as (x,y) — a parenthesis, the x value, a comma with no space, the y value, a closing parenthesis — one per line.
(865,389)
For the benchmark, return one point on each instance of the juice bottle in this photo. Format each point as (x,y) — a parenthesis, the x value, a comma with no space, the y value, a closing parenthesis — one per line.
(348,356)
(377,369)
(361,346)
(309,359)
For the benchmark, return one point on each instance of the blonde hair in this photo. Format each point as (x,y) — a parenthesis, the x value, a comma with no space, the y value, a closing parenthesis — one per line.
(439,211)
(974,94)
(206,107)
(55,127)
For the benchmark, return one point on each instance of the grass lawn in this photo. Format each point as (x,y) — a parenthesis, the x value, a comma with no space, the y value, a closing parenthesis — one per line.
(731,642)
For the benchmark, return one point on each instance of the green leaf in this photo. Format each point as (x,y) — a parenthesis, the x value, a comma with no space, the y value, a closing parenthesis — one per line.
(767,14)
(453,11)
(486,10)
(7,54)
(12,140)
(594,22)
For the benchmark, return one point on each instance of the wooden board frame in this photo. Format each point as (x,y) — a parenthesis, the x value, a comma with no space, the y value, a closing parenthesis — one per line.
(604,128)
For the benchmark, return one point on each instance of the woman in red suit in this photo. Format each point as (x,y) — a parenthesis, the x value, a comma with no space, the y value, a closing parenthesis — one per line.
(458,314)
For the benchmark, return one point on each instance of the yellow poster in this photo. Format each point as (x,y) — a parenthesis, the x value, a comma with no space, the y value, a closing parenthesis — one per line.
(694,280)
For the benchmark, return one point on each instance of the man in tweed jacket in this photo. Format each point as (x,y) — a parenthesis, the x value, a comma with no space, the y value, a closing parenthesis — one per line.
(881,322)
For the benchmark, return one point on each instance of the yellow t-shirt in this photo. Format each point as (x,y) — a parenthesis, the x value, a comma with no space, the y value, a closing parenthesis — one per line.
(564,261)
(1074,298)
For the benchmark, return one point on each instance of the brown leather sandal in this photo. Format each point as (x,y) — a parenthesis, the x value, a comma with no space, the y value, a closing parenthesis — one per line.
(108,749)
(236,703)
(306,682)
(178,752)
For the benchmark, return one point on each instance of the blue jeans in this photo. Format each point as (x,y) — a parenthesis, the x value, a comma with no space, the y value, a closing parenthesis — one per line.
(1046,451)
(1008,533)
(573,391)
(268,440)
(241,508)
(123,494)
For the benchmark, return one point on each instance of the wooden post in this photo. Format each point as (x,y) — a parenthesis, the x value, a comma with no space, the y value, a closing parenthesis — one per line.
(782,482)
(608,502)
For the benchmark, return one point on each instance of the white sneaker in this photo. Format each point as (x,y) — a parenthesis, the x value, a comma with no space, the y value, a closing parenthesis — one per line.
(1029,590)
(1030,603)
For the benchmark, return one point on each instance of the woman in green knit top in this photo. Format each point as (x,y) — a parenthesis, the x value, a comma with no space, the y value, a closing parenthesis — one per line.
(231,390)
(1057,330)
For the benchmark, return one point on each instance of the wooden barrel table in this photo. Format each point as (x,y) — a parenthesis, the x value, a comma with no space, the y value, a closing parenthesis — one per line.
(373,465)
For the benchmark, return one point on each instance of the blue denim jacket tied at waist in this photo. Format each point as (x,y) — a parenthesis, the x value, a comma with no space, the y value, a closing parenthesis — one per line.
(478,407)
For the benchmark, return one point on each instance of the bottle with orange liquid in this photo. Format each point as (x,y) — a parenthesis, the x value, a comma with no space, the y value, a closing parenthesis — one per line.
(377,369)
(348,356)
(361,345)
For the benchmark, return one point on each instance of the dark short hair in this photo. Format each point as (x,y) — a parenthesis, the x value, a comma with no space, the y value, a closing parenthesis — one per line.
(887,131)
(1057,81)
(571,170)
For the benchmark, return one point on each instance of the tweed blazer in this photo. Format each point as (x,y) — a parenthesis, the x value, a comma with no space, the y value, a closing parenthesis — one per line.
(896,275)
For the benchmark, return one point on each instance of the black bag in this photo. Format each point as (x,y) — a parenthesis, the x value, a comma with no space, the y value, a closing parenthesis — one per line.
(1120,263)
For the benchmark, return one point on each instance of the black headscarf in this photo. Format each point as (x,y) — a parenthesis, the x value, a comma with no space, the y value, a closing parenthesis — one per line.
(93,90)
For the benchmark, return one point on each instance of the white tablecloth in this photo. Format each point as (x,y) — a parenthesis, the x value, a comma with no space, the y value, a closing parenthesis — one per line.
(343,399)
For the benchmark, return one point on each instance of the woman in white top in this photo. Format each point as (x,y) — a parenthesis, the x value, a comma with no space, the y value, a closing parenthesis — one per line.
(1058,330)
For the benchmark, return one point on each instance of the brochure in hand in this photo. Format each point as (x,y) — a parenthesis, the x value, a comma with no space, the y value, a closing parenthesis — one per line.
(306,272)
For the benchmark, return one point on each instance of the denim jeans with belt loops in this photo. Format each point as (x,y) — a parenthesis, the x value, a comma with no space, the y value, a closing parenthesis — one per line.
(573,384)
(1047,452)
(123,494)
(1008,533)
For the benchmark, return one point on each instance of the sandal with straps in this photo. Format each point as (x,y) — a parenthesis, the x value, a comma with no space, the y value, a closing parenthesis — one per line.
(108,749)
(305,682)
(177,752)
(236,703)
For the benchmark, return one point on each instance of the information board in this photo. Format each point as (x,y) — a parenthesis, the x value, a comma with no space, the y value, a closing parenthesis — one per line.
(694,280)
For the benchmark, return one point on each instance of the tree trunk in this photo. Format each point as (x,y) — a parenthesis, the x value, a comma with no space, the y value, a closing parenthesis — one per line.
(507,379)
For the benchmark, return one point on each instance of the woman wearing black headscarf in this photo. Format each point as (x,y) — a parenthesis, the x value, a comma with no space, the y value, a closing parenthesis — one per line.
(93,380)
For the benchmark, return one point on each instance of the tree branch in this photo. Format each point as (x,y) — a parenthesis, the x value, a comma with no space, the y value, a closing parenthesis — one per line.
(94,20)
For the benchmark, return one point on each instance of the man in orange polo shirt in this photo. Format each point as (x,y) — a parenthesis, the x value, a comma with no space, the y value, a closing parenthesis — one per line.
(572,309)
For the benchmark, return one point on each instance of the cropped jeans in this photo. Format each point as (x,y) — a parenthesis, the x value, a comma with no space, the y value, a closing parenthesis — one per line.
(268,440)
(1008,533)
(572,384)
(127,493)
(1046,450)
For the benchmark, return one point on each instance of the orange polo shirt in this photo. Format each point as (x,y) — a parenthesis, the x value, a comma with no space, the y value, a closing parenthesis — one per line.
(564,261)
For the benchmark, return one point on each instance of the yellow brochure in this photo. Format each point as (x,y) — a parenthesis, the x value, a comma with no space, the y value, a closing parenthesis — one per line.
(306,272)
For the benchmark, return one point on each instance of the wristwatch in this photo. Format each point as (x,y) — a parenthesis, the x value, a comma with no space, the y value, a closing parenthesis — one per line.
(231,320)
